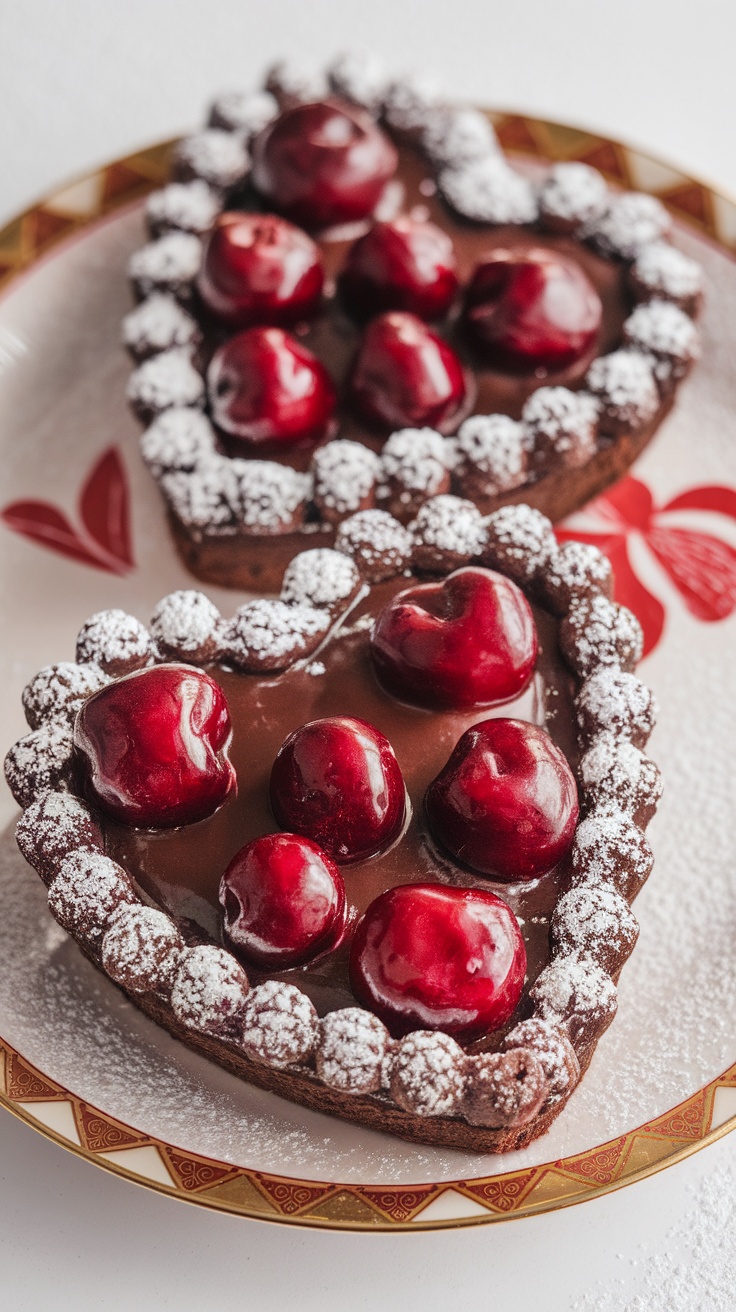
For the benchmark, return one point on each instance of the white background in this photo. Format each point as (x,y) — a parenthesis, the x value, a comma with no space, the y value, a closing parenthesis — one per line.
(81,82)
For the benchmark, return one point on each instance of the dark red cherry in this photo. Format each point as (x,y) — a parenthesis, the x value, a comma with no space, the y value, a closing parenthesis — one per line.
(323,163)
(428,957)
(506,803)
(338,782)
(533,309)
(469,641)
(283,902)
(405,376)
(402,265)
(258,269)
(151,748)
(264,386)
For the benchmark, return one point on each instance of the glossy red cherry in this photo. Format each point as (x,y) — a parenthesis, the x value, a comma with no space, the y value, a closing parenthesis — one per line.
(151,748)
(323,163)
(264,386)
(402,265)
(532,309)
(405,376)
(428,957)
(506,803)
(469,641)
(283,901)
(258,269)
(338,782)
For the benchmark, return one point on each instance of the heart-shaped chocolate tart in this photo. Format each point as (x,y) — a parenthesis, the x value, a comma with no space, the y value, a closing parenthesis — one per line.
(406,911)
(357,303)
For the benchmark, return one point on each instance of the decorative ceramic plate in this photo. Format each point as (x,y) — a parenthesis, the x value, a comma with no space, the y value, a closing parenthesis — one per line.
(83,529)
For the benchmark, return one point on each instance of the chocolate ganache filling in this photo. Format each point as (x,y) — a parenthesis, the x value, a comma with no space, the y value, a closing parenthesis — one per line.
(181,869)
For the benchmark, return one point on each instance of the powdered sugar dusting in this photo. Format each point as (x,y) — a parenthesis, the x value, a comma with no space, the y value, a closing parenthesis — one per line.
(85,893)
(116,641)
(168,379)
(628,224)
(320,577)
(218,158)
(271,634)
(352,1047)
(572,194)
(178,439)
(378,543)
(280,1025)
(617,702)
(243,111)
(41,760)
(596,921)
(455,136)
(209,992)
(491,454)
(666,331)
(184,206)
(345,474)
(446,532)
(185,623)
(520,541)
(158,324)
(58,691)
(661,270)
(488,191)
(429,1073)
(625,384)
(271,495)
(417,460)
(141,949)
(169,264)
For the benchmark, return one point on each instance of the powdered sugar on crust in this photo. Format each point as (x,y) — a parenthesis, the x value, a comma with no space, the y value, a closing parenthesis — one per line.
(159,323)
(597,922)
(269,635)
(293,81)
(491,455)
(205,499)
(39,762)
(575,990)
(571,195)
(210,992)
(219,158)
(169,264)
(550,1044)
(410,102)
(454,136)
(352,1048)
(625,384)
(167,379)
(380,546)
(116,642)
(447,532)
(488,191)
(185,626)
(576,572)
(661,270)
(629,224)
(416,460)
(610,848)
(614,772)
(666,331)
(86,892)
(141,950)
(345,476)
(561,427)
(272,497)
(504,1088)
(179,439)
(280,1025)
(320,577)
(520,542)
(618,703)
(183,207)
(53,826)
(58,691)
(248,112)
(359,77)
(429,1073)
(600,632)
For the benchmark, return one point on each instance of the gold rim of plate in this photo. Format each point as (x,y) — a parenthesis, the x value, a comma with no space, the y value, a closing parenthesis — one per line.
(83,1129)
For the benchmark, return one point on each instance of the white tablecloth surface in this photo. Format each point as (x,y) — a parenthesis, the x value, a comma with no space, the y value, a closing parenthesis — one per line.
(82,82)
